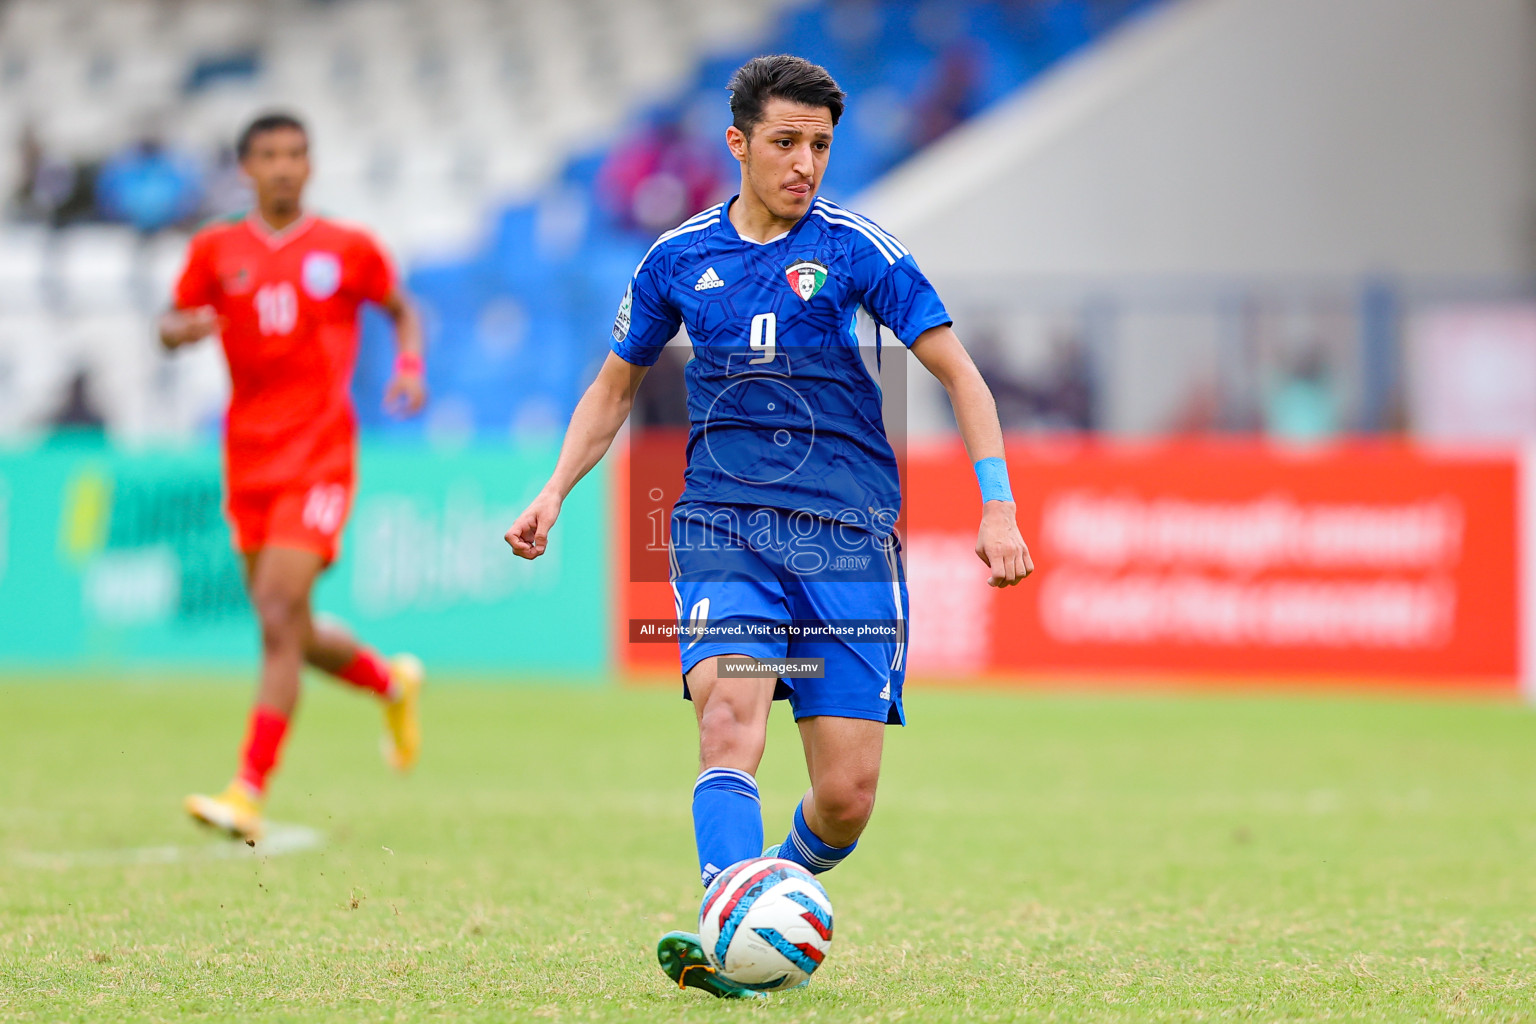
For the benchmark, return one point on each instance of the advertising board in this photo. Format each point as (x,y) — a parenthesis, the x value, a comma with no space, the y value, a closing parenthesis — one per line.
(1207,560)
(113,558)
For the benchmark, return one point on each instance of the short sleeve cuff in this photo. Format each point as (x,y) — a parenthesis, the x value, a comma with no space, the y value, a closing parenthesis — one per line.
(917,328)
(631,357)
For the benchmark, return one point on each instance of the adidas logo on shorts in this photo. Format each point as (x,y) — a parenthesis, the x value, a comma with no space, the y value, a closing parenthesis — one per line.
(709,279)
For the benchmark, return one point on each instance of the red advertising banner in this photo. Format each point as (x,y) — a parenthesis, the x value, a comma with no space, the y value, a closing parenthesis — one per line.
(1209,560)
(648,478)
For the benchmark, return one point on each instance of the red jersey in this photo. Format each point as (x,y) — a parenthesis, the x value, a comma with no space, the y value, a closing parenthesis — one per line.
(288,302)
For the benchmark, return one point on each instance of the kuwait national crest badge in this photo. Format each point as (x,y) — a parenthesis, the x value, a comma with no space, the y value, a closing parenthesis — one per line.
(806,277)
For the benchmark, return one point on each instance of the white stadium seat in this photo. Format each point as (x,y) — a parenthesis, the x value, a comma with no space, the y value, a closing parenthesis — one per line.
(425,115)
(96,266)
(191,388)
(160,264)
(35,364)
(23,266)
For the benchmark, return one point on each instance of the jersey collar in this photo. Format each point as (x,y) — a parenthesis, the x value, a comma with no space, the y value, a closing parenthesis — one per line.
(726,222)
(277,239)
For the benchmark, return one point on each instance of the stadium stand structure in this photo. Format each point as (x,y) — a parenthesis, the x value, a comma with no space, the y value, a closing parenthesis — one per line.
(518,158)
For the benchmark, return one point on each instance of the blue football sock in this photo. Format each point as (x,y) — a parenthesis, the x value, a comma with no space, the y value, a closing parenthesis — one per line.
(806,848)
(727,819)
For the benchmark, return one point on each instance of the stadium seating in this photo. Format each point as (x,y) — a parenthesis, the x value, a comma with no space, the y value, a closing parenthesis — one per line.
(427,115)
(894,58)
(472,135)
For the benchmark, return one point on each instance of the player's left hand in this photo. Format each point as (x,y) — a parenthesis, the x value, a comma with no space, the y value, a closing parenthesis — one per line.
(1001,546)
(405,395)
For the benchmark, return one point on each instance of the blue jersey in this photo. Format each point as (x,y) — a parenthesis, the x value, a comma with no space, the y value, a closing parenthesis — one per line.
(783,411)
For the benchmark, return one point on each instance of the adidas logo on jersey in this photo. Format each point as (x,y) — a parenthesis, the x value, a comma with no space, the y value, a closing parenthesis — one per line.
(709,279)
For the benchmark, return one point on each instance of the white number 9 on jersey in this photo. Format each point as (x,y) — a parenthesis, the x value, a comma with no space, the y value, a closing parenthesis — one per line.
(765,338)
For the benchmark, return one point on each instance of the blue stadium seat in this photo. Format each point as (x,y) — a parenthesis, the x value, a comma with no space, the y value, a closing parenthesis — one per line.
(887,56)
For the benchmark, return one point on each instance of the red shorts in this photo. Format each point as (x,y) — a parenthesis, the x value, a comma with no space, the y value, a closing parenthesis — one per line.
(308,518)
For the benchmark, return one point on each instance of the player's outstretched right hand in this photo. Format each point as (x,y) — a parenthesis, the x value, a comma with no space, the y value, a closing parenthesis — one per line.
(529,536)
(183,326)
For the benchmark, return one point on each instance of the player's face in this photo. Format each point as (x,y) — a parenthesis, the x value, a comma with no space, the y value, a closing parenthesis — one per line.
(784,160)
(278,166)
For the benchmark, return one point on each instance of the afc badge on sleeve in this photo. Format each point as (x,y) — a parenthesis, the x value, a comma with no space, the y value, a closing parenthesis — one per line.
(621,321)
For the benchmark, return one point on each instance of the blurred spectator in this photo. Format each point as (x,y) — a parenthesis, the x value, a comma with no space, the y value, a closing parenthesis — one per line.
(148,186)
(950,98)
(1063,396)
(78,413)
(49,184)
(1302,406)
(660,177)
(226,190)
(1014,398)
(1200,409)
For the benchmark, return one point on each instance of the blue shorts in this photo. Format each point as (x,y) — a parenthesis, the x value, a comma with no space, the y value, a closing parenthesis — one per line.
(773,584)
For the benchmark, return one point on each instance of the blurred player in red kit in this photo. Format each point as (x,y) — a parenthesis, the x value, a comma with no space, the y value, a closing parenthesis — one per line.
(282,289)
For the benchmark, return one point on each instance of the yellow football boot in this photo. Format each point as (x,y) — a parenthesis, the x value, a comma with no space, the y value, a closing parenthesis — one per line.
(402,721)
(237,811)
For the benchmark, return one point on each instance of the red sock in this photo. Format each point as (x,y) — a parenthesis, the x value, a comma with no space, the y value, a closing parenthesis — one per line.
(368,671)
(263,740)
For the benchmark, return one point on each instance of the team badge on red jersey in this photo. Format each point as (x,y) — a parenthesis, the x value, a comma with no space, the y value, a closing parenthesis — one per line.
(238,282)
(321,274)
(806,277)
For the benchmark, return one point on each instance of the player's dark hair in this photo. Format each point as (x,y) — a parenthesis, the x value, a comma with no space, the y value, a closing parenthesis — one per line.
(269,122)
(785,77)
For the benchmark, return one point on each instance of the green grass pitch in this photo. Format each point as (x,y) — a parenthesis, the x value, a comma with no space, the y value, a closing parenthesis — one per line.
(1031,857)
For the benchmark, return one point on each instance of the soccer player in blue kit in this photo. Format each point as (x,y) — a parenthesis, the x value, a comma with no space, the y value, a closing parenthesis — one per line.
(791,492)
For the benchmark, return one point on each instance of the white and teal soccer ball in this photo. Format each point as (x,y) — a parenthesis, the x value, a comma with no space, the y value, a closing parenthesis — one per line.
(766,923)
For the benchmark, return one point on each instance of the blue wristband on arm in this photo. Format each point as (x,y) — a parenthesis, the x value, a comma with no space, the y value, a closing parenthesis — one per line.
(992,474)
